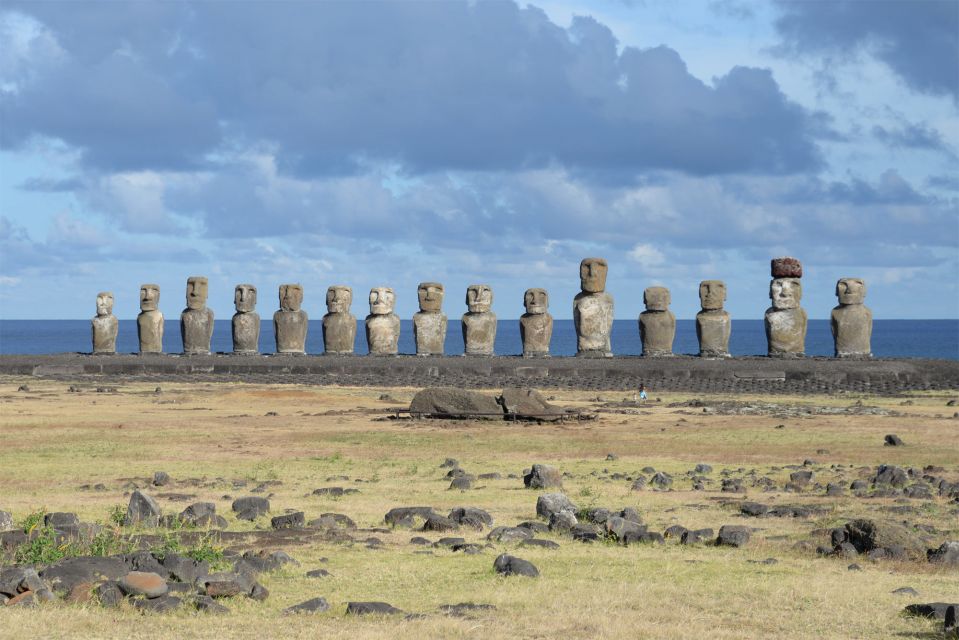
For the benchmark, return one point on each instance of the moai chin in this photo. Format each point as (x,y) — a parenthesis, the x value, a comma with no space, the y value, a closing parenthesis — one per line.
(150,320)
(290,322)
(785,320)
(657,325)
(713,324)
(339,325)
(429,324)
(851,321)
(246,321)
(536,325)
(479,322)
(104,325)
(196,321)
(382,325)
(593,310)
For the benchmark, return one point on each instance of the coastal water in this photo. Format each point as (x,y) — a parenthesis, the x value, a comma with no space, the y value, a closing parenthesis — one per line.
(890,339)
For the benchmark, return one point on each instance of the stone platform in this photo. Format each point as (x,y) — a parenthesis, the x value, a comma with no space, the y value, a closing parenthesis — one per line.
(680,373)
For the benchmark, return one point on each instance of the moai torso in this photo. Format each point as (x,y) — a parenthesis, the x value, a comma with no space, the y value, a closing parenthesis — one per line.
(713,324)
(339,325)
(785,320)
(536,325)
(105,325)
(382,325)
(196,321)
(429,324)
(851,321)
(479,323)
(246,321)
(150,320)
(593,310)
(657,325)
(290,322)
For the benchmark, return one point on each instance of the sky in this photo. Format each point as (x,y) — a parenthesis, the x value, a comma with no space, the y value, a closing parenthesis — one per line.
(386,144)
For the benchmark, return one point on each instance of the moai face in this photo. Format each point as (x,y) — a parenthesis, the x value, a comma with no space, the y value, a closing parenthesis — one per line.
(479,298)
(592,275)
(851,290)
(104,303)
(382,300)
(536,301)
(196,292)
(244,298)
(291,297)
(339,299)
(712,294)
(149,297)
(656,298)
(430,295)
(785,293)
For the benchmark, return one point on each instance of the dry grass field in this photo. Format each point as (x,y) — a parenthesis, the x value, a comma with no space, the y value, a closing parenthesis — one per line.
(218,441)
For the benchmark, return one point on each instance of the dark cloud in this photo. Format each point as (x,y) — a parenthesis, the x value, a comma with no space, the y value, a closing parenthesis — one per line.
(912,136)
(51,185)
(918,40)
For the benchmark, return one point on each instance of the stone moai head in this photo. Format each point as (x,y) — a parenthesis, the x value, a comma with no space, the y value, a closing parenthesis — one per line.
(149,297)
(479,298)
(382,300)
(244,298)
(785,293)
(851,290)
(712,294)
(592,275)
(785,267)
(656,298)
(536,301)
(339,299)
(291,297)
(430,295)
(104,303)
(196,292)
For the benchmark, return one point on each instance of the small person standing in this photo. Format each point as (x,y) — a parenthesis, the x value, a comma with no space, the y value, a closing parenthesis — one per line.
(642,393)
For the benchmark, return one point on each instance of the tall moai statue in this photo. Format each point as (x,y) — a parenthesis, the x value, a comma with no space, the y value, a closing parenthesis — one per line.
(290,322)
(105,325)
(536,325)
(785,320)
(479,322)
(150,320)
(196,321)
(429,324)
(339,325)
(657,325)
(246,321)
(593,310)
(851,321)
(382,325)
(713,324)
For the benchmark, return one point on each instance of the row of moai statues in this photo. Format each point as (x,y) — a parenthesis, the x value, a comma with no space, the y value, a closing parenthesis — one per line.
(785,320)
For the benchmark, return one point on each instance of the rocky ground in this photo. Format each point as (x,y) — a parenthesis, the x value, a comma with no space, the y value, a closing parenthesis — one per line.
(131,510)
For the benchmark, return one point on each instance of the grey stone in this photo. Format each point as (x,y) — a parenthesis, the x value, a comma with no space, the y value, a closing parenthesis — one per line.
(436,522)
(289,521)
(550,503)
(429,325)
(713,323)
(397,516)
(905,591)
(536,325)
(934,610)
(333,521)
(851,320)
(657,325)
(946,554)
(251,507)
(196,321)
(142,583)
(206,604)
(150,320)
(142,510)
(162,604)
(290,323)
(339,325)
(246,321)
(313,605)
(785,320)
(619,528)
(593,310)
(6,521)
(754,509)
(104,325)
(541,544)
(462,482)
(479,322)
(199,514)
(455,403)
(371,608)
(318,573)
(891,475)
(892,440)
(733,536)
(508,565)
(696,536)
(61,520)
(109,593)
(562,522)
(382,325)
(529,403)
(471,517)
(543,476)
(509,534)
(161,478)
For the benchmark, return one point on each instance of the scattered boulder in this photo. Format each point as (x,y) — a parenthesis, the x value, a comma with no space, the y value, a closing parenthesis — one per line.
(867,535)
(463,482)
(509,534)
(61,520)
(619,529)
(661,480)
(202,514)
(206,604)
(732,536)
(550,503)
(702,468)
(371,608)
(935,610)
(6,521)
(294,520)
(318,573)
(537,542)
(696,536)
(891,475)
(753,509)
(436,522)
(508,565)
(109,593)
(404,516)
(250,507)
(543,476)
(905,591)
(142,510)
(562,522)
(464,609)
(313,605)
(947,553)
(141,583)
(449,402)
(892,440)
(471,517)
(161,478)
(333,521)
(528,404)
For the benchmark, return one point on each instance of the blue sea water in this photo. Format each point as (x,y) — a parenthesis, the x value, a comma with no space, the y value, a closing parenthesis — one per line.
(890,338)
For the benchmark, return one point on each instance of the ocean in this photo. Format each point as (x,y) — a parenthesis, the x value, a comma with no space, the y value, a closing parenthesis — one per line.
(890,338)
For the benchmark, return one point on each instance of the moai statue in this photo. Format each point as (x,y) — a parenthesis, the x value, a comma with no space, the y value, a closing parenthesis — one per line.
(786,321)
(105,325)
(196,321)
(246,321)
(593,310)
(713,324)
(851,321)
(290,322)
(657,325)
(536,325)
(382,325)
(339,325)
(479,322)
(150,320)
(429,324)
